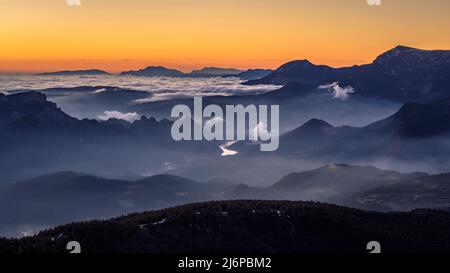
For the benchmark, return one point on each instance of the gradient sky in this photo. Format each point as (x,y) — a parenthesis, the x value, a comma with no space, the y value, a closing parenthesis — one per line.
(115,35)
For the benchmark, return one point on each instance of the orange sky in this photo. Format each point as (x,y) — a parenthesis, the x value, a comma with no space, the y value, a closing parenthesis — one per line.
(115,35)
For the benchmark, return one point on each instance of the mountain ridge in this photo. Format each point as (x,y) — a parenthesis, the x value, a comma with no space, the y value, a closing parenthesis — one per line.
(72,196)
(154,71)
(268,226)
(87,72)
(401,73)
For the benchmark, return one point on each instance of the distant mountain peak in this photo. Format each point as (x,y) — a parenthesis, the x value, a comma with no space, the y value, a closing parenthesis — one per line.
(76,73)
(316,124)
(22,109)
(399,50)
(219,71)
(145,118)
(403,58)
(305,61)
(302,71)
(312,128)
(154,71)
(154,67)
(296,65)
(401,73)
(27,97)
(416,120)
(403,48)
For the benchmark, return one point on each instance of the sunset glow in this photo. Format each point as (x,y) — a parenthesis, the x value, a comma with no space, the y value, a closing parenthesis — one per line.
(116,35)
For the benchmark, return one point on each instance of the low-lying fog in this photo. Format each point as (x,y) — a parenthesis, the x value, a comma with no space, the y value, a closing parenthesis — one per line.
(159,88)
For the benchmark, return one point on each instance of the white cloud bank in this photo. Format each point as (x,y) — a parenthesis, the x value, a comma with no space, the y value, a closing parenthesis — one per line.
(130,117)
(159,88)
(337,91)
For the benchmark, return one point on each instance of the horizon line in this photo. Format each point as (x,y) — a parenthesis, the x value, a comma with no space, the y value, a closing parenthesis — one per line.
(188,71)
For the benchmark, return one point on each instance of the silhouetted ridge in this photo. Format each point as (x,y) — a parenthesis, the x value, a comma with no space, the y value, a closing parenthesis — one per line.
(402,58)
(267,226)
(416,120)
(89,72)
(154,71)
(302,71)
(30,107)
(316,125)
(215,71)
(402,73)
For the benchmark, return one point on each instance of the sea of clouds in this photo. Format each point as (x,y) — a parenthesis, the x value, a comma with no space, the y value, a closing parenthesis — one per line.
(159,88)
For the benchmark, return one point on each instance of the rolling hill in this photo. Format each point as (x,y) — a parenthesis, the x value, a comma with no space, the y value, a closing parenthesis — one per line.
(249,227)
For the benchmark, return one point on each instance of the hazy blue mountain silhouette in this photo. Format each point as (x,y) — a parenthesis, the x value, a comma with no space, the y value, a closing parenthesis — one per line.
(430,191)
(415,131)
(69,196)
(160,71)
(215,71)
(402,73)
(39,137)
(90,101)
(425,119)
(154,71)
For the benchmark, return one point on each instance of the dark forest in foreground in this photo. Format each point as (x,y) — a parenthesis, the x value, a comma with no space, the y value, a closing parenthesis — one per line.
(249,227)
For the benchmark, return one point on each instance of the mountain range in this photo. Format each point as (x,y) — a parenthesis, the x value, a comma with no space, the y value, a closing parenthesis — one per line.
(416,130)
(154,71)
(389,115)
(38,137)
(90,101)
(67,196)
(35,132)
(160,71)
(207,72)
(64,197)
(402,73)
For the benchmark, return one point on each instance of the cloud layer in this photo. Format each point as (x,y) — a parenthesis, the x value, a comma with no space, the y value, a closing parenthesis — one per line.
(159,88)
(130,117)
(337,91)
